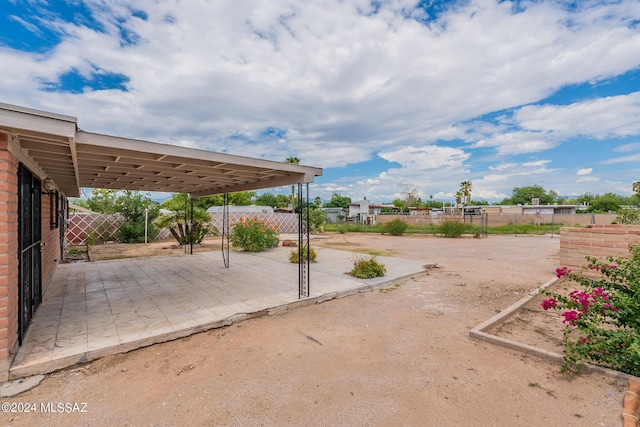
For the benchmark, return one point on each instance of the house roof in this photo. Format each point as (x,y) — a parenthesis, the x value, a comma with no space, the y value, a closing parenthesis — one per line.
(52,146)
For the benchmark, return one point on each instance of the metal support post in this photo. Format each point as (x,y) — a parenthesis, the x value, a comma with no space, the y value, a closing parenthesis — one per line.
(303,242)
(225,232)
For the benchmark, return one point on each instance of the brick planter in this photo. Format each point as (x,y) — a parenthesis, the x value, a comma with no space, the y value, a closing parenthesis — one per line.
(599,241)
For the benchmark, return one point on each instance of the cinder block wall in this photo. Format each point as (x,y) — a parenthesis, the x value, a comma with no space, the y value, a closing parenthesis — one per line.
(600,241)
(8,256)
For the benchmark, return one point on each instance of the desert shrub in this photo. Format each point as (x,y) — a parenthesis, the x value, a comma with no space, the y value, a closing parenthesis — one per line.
(602,316)
(307,253)
(133,232)
(253,235)
(452,228)
(397,227)
(367,268)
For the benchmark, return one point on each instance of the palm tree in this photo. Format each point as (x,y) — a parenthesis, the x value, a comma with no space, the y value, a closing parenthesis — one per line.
(293,161)
(177,220)
(465,189)
(458,198)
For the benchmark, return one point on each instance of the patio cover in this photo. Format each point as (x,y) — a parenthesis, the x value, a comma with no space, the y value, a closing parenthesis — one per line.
(52,146)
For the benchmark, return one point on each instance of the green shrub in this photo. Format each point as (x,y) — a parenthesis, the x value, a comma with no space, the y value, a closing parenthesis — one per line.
(397,227)
(253,235)
(452,228)
(628,216)
(307,253)
(133,232)
(367,268)
(601,315)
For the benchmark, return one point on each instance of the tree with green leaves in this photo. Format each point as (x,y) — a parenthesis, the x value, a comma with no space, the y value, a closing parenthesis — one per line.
(317,218)
(525,195)
(338,201)
(273,200)
(177,220)
(605,203)
(134,206)
(103,201)
(240,198)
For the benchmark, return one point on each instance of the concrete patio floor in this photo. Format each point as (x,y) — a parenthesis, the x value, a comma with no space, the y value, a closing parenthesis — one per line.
(94,309)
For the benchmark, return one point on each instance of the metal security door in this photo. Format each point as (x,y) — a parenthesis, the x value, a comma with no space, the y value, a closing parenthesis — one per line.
(30,235)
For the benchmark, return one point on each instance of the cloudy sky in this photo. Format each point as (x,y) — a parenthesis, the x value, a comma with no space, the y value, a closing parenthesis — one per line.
(385,95)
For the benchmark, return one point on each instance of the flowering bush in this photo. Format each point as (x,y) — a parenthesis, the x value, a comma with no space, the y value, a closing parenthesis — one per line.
(602,318)
(254,235)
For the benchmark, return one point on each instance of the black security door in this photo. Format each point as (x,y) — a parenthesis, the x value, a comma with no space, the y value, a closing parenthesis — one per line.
(30,229)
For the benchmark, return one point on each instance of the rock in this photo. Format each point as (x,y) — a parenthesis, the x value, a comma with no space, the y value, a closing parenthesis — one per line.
(13,388)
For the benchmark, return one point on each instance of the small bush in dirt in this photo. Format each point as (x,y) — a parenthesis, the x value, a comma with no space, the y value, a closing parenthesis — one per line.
(601,316)
(452,228)
(397,227)
(253,235)
(308,253)
(368,268)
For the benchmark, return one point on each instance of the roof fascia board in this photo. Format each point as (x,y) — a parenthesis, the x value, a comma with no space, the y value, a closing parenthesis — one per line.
(89,138)
(36,122)
(35,112)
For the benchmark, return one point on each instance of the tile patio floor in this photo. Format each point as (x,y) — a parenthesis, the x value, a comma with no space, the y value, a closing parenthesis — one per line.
(94,309)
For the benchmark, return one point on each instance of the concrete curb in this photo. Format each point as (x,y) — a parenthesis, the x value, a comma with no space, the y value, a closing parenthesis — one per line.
(480,333)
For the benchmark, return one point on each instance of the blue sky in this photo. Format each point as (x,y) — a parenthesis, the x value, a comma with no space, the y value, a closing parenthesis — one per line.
(387,96)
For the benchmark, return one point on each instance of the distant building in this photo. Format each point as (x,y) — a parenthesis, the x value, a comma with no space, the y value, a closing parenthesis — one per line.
(521,209)
(420,211)
(364,212)
(335,215)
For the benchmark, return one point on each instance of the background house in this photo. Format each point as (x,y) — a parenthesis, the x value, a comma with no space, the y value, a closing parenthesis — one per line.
(335,215)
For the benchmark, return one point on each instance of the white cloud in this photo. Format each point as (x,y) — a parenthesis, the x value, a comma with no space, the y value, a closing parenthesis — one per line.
(624,159)
(343,82)
(588,179)
(624,148)
(517,143)
(598,118)
(585,171)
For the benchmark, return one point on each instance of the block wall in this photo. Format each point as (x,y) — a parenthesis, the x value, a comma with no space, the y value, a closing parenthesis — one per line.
(600,241)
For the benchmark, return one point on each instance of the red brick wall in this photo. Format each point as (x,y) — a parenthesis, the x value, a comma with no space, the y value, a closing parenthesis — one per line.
(600,241)
(8,255)
(50,242)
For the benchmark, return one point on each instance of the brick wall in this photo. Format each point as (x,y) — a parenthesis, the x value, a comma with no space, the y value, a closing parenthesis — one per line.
(8,256)
(600,241)
(50,242)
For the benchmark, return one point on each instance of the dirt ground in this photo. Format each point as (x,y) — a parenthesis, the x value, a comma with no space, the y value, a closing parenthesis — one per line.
(399,356)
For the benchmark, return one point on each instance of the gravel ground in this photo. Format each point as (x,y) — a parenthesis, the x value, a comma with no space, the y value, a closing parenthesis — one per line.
(399,356)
